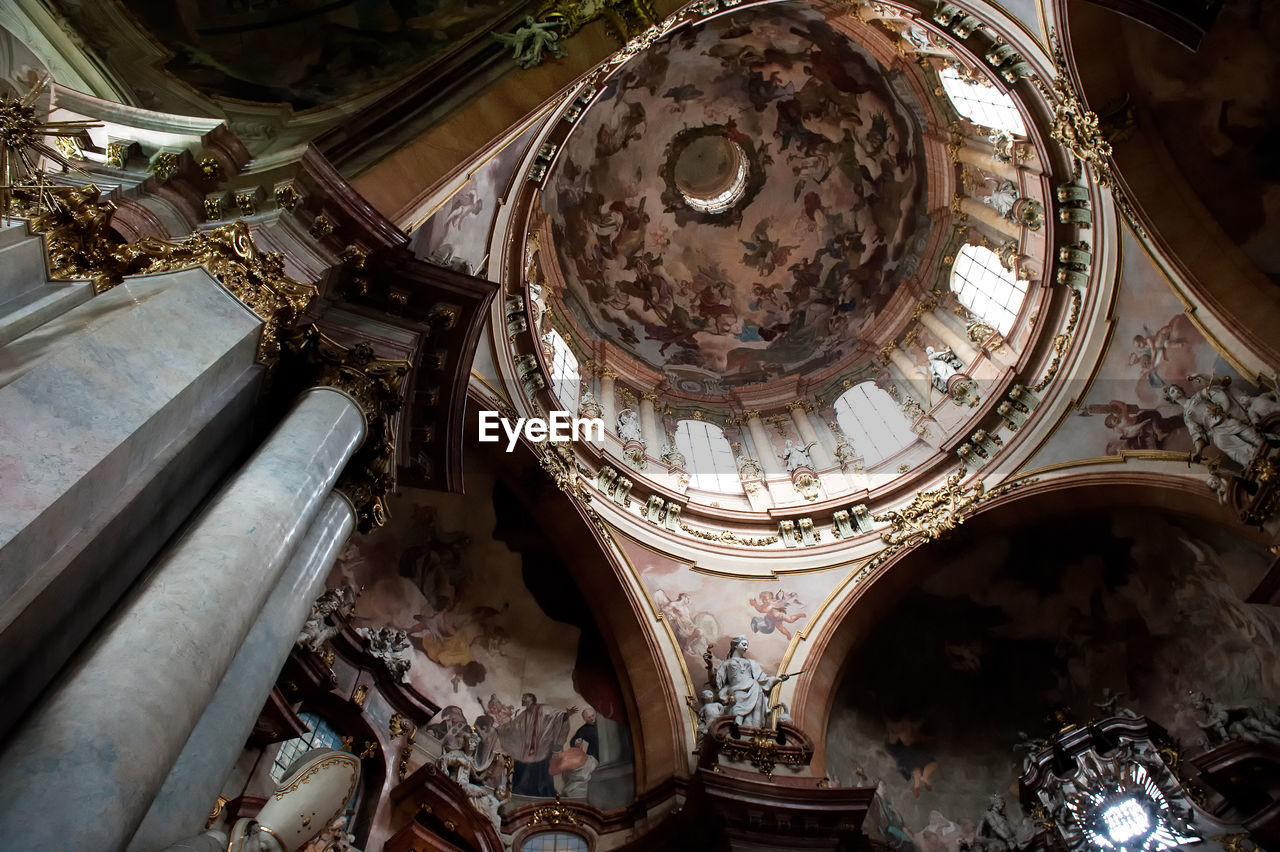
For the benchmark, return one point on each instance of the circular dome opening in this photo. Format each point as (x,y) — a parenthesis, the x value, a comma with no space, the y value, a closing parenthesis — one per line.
(711,173)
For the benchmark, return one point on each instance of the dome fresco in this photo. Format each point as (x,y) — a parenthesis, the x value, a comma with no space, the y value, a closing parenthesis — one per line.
(764,274)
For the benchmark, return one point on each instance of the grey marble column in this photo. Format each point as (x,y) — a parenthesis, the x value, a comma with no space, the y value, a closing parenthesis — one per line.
(83,769)
(216,743)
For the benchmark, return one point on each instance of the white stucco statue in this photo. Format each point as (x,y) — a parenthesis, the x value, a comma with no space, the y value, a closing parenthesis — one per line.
(796,456)
(629,426)
(943,364)
(391,645)
(708,712)
(317,630)
(460,764)
(744,687)
(1213,417)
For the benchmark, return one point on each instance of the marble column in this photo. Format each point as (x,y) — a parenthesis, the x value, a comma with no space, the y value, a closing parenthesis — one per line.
(608,400)
(216,743)
(649,424)
(960,345)
(765,451)
(981,155)
(95,750)
(912,375)
(988,216)
(818,452)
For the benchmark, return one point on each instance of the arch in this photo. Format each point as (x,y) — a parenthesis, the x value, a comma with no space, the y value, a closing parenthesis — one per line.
(708,455)
(859,613)
(990,292)
(872,422)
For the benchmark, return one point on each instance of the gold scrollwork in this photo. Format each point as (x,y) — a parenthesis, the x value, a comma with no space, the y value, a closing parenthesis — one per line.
(931,515)
(1075,126)
(552,814)
(729,537)
(77,229)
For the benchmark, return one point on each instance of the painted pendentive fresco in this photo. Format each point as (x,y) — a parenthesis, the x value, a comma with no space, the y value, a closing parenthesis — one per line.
(704,611)
(1007,631)
(1154,348)
(305,52)
(459,230)
(500,640)
(785,281)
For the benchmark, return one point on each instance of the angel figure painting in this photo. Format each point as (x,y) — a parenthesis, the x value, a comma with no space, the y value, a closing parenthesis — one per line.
(775,612)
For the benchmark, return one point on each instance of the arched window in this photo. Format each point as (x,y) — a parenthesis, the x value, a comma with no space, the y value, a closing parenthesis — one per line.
(981,102)
(991,293)
(708,455)
(564,372)
(872,422)
(320,735)
(555,841)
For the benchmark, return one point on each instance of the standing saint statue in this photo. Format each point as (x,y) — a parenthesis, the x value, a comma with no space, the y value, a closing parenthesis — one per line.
(744,687)
(629,426)
(796,456)
(1213,417)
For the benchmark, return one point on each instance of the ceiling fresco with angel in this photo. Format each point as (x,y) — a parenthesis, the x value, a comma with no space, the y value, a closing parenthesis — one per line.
(829,222)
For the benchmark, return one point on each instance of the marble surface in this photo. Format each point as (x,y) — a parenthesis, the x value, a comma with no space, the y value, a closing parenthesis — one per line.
(110,550)
(211,751)
(106,736)
(88,400)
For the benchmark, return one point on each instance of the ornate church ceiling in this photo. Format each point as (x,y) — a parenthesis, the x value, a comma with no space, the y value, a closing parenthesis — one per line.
(742,198)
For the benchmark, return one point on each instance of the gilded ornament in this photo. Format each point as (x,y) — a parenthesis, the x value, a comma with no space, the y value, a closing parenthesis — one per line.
(1074,125)
(246,203)
(78,235)
(165,165)
(286,196)
(210,169)
(553,814)
(321,227)
(212,208)
(117,154)
(22,145)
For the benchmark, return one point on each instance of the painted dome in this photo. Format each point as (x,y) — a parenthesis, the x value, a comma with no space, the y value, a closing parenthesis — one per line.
(741,199)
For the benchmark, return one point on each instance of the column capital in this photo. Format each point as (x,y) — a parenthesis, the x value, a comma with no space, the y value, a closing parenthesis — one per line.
(607,372)
(649,395)
(885,354)
(751,413)
(377,385)
(800,404)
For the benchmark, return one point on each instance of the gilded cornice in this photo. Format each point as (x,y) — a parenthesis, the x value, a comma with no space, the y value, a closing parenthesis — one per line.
(76,225)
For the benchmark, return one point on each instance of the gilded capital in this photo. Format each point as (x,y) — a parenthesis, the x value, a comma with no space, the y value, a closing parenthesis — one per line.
(751,413)
(378,386)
